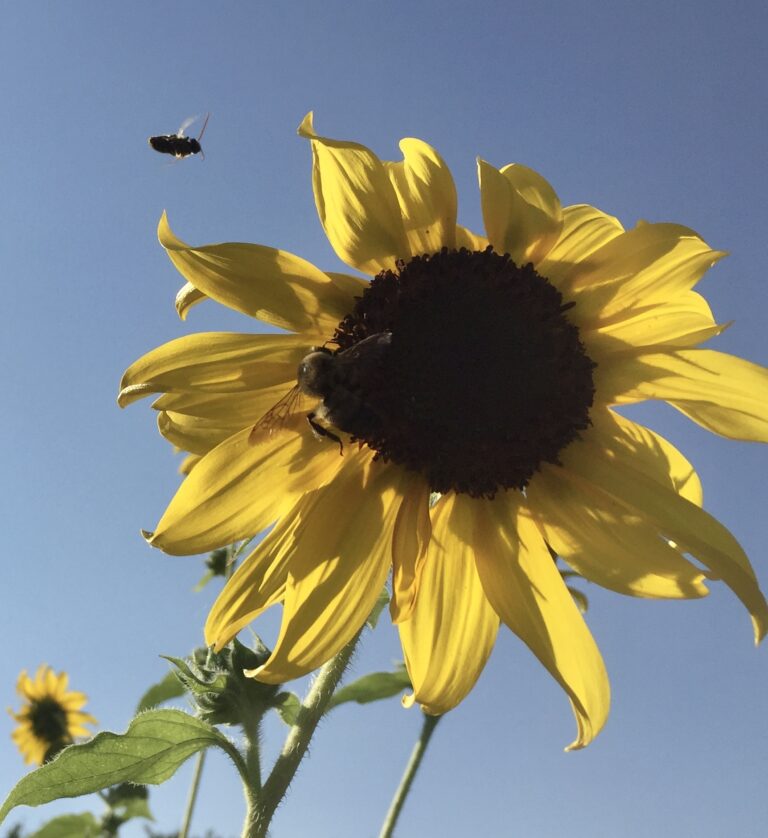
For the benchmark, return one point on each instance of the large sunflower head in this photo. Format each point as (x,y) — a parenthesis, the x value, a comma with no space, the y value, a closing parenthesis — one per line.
(50,716)
(483,368)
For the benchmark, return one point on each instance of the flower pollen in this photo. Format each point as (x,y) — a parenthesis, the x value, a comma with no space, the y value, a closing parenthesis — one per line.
(485,377)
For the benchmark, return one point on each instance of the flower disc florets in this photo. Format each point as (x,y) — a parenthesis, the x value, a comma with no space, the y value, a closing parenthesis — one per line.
(485,377)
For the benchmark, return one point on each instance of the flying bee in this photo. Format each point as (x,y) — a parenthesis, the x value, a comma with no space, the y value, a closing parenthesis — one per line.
(338,378)
(177,144)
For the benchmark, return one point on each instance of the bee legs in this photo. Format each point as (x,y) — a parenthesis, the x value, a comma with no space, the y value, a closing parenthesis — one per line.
(319,431)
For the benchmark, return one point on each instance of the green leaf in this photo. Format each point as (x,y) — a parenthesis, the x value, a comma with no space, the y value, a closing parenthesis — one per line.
(288,706)
(70,826)
(372,687)
(154,746)
(170,687)
(381,604)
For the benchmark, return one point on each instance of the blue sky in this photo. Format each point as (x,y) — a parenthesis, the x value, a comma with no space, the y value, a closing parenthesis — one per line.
(653,111)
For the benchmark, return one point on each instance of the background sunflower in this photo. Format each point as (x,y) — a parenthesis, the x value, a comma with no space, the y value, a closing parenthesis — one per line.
(50,716)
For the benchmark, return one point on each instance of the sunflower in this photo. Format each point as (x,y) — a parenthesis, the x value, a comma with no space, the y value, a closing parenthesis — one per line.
(482,368)
(50,717)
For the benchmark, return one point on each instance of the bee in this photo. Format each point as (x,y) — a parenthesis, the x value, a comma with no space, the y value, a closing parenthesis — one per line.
(337,378)
(177,144)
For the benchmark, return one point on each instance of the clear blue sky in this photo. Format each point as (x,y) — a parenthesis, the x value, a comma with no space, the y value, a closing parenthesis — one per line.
(654,110)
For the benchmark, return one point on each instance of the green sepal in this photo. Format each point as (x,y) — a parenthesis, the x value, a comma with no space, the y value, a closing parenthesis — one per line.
(166,689)
(69,826)
(372,687)
(128,800)
(222,693)
(582,603)
(192,681)
(149,752)
(288,706)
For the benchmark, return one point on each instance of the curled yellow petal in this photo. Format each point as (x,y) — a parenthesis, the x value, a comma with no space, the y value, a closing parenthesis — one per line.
(270,284)
(426,195)
(521,211)
(356,202)
(526,590)
(452,628)
(186,297)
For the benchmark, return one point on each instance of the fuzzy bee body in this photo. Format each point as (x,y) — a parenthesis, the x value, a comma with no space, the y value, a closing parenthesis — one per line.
(178,144)
(338,379)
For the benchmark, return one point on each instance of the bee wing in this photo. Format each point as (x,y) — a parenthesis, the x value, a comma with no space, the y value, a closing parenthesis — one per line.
(187,122)
(276,417)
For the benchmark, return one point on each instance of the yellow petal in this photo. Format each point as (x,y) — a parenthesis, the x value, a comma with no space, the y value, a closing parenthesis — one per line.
(338,565)
(600,466)
(188,463)
(260,580)
(187,297)
(349,285)
(607,543)
(521,211)
(272,285)
(215,362)
(427,197)
(526,590)
(651,454)
(585,230)
(452,628)
(471,241)
(650,264)
(195,435)
(357,205)
(243,408)
(410,540)
(683,322)
(722,393)
(240,488)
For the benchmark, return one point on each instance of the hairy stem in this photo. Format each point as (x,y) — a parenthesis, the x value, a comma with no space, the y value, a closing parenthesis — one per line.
(297,741)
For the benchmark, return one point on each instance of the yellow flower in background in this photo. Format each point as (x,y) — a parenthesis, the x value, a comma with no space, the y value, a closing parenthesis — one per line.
(482,368)
(50,716)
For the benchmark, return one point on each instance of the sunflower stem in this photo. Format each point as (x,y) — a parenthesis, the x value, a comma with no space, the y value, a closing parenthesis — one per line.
(192,799)
(417,754)
(312,708)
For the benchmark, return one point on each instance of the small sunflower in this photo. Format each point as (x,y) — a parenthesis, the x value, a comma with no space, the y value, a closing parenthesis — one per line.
(50,717)
(483,368)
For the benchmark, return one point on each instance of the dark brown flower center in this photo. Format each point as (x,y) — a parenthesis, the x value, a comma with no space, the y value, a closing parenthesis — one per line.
(48,720)
(484,377)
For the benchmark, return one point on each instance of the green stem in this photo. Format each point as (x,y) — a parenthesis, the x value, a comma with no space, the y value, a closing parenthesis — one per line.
(427,729)
(297,742)
(184,831)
